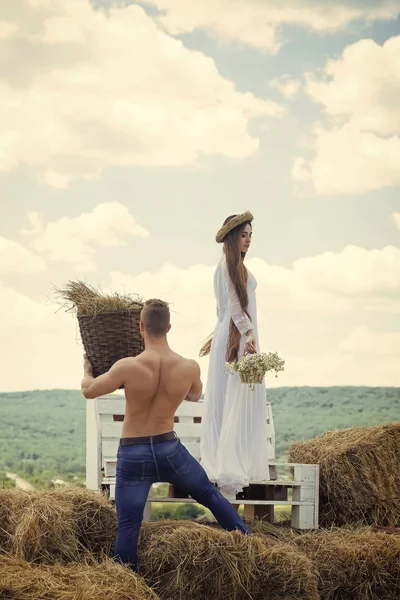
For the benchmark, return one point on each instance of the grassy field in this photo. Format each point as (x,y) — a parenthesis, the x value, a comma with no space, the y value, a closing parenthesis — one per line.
(42,433)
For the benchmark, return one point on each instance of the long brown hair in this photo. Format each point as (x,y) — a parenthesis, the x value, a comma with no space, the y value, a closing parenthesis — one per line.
(238,274)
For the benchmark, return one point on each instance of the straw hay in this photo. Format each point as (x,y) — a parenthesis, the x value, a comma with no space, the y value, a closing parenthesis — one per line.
(20,580)
(352,563)
(85,300)
(359,474)
(192,561)
(95,520)
(57,525)
(12,505)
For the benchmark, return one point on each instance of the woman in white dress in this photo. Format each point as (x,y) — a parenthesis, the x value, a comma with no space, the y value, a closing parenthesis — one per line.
(233,440)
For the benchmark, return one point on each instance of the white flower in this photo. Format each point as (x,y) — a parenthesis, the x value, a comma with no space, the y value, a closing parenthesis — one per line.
(252,367)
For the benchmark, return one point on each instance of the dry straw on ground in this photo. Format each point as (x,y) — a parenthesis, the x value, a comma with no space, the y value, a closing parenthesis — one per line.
(51,526)
(352,563)
(20,580)
(191,561)
(182,560)
(359,474)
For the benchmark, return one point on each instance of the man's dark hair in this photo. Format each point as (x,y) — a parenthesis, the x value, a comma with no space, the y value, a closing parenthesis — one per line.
(155,317)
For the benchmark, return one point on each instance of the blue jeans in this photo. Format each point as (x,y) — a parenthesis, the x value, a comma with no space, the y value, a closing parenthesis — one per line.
(138,467)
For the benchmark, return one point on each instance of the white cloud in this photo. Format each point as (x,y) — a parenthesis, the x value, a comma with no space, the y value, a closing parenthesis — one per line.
(286,85)
(15,259)
(354,281)
(363,85)
(300,171)
(56,180)
(39,348)
(7,30)
(303,313)
(358,149)
(352,162)
(73,240)
(258,23)
(364,342)
(126,100)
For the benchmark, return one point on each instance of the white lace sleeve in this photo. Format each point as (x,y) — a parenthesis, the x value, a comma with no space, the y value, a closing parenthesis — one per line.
(241,320)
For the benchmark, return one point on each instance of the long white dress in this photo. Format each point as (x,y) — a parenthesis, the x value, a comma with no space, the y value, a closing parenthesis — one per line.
(234,447)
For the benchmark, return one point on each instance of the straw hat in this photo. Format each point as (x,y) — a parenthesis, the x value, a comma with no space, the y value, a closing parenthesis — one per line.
(246,217)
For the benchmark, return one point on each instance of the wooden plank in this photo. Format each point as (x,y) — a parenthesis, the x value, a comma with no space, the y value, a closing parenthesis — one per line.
(106,418)
(304,492)
(237,501)
(188,430)
(112,492)
(112,463)
(303,516)
(306,473)
(316,498)
(193,448)
(270,430)
(111,429)
(93,446)
(111,405)
(190,409)
(109,448)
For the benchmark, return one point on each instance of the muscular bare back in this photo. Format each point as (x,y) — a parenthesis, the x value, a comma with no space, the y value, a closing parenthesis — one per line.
(156,383)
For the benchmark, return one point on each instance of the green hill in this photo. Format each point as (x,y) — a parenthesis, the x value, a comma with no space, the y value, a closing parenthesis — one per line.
(42,433)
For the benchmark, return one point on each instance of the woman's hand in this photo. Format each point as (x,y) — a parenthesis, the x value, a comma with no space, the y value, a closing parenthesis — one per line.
(250,343)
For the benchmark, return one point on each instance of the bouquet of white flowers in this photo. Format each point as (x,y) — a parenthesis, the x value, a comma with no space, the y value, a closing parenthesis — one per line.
(252,367)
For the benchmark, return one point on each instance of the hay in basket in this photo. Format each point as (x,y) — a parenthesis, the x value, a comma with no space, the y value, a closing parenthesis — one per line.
(109,324)
(253,367)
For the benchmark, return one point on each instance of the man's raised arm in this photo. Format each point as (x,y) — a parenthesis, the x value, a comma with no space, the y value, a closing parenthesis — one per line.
(93,387)
(196,390)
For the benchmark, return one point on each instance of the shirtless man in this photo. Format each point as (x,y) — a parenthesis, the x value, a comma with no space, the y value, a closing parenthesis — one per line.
(156,382)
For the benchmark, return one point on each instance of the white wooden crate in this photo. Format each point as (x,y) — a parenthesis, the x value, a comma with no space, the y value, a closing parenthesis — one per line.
(103,431)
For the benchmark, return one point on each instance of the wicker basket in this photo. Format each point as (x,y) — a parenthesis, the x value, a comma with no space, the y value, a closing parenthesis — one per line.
(252,377)
(108,337)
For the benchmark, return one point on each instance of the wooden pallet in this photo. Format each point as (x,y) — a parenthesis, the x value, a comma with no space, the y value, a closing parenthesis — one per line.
(297,488)
(294,485)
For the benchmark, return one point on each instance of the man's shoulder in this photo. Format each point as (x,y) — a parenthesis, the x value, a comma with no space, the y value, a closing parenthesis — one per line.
(185,363)
(192,364)
(126,363)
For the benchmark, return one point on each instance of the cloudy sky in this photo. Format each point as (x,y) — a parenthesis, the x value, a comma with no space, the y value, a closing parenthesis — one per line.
(129,131)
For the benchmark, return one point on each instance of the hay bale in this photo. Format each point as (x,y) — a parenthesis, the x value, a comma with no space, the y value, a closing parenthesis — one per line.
(95,520)
(57,525)
(359,474)
(20,580)
(354,564)
(198,562)
(12,504)
(46,532)
(270,531)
